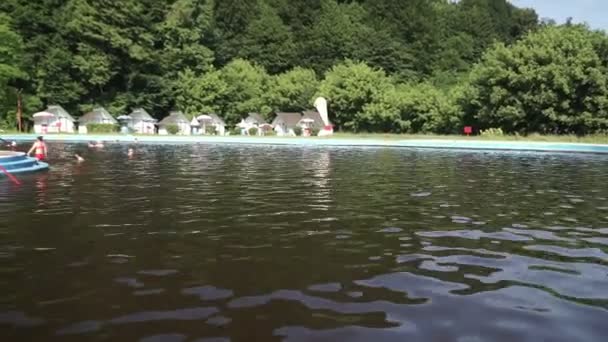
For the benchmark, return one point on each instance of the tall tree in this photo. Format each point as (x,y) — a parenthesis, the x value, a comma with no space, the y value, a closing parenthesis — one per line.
(552,81)
(292,91)
(268,42)
(349,87)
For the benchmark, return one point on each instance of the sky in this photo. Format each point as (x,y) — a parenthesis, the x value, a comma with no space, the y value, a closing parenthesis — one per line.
(593,12)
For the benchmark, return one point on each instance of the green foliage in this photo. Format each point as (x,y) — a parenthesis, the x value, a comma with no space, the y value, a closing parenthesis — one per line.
(246,85)
(492,132)
(196,94)
(415,108)
(269,42)
(349,87)
(253,131)
(315,131)
(172,129)
(411,66)
(11,54)
(210,130)
(102,128)
(235,131)
(297,130)
(553,81)
(292,91)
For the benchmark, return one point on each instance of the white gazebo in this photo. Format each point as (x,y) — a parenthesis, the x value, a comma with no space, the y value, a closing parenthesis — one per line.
(54,119)
(214,121)
(195,127)
(175,118)
(96,116)
(141,122)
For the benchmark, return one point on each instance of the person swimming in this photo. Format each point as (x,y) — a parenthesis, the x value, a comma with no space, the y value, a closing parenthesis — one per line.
(40,148)
(96,144)
(130,153)
(78,158)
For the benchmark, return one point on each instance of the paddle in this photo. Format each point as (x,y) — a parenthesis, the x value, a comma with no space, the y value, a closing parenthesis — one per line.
(9,175)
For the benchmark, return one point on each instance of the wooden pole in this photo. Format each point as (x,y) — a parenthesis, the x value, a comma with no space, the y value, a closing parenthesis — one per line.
(19,110)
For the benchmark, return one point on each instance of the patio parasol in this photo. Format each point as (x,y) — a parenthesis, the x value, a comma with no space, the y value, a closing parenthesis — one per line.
(124,117)
(204,118)
(44,115)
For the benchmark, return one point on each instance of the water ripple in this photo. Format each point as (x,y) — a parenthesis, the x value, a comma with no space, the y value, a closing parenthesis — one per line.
(335,244)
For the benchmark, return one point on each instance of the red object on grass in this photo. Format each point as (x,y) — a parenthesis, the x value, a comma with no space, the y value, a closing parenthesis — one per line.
(468,130)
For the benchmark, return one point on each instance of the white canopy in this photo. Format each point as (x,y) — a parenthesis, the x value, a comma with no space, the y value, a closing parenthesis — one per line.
(43,115)
(204,117)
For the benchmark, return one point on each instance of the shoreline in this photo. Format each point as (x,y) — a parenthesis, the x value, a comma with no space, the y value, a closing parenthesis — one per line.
(447,142)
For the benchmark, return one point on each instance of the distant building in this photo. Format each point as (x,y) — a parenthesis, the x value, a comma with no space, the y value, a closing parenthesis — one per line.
(96,116)
(60,122)
(175,118)
(141,122)
(311,120)
(219,124)
(284,123)
(253,120)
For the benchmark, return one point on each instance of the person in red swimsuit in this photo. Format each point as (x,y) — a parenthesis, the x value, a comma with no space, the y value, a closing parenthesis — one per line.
(40,148)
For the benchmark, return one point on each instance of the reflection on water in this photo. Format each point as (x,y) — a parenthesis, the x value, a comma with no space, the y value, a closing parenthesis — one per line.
(221,243)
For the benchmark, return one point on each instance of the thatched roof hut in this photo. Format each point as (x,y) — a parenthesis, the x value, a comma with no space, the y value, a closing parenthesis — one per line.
(288,120)
(174,118)
(316,117)
(99,116)
(60,112)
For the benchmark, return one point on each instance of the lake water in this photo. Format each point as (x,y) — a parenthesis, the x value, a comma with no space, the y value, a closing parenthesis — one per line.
(262,243)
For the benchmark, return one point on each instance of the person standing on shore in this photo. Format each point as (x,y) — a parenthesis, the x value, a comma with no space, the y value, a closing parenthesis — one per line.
(40,148)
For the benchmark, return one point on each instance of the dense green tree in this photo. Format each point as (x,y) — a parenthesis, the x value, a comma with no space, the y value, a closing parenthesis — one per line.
(186,27)
(334,36)
(268,42)
(553,81)
(246,85)
(413,108)
(292,91)
(384,65)
(349,87)
(11,54)
(198,94)
(231,20)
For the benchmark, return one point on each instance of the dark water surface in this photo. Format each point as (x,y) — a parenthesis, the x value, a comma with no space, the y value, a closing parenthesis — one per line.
(236,243)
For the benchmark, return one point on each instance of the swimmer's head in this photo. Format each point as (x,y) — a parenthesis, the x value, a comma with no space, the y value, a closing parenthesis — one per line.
(40,138)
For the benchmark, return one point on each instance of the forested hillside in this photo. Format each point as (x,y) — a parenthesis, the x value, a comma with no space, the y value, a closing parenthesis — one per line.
(384,65)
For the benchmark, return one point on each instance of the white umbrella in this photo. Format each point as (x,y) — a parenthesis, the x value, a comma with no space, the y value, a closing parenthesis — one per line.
(124,117)
(308,120)
(43,115)
(204,117)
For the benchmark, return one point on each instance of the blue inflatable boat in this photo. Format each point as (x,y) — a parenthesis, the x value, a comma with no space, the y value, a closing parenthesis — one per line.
(19,162)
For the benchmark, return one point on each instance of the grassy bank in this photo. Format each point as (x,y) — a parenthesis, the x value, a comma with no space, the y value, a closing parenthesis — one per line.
(589,139)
